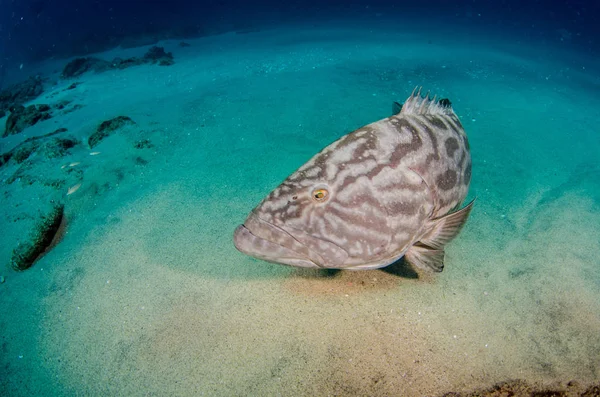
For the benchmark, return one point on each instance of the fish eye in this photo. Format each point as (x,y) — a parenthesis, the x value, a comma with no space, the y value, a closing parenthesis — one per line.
(320,195)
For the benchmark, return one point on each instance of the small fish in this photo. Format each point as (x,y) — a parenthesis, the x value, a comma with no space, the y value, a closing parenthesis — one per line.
(94,153)
(387,190)
(73,189)
(74,164)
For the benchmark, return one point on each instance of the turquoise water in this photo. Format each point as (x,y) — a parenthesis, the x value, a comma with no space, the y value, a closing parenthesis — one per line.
(146,295)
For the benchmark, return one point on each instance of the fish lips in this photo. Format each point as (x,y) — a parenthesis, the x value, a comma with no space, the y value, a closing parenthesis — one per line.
(287,245)
(248,241)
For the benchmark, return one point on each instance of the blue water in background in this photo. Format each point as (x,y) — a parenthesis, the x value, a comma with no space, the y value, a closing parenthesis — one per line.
(34,30)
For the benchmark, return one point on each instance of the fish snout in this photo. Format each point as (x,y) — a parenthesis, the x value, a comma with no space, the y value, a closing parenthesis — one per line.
(287,245)
(262,240)
(242,239)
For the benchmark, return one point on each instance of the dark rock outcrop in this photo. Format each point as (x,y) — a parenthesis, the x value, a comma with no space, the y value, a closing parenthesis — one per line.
(74,85)
(22,117)
(157,54)
(24,150)
(61,104)
(40,240)
(50,148)
(20,93)
(108,127)
(73,108)
(79,66)
(5,157)
(57,147)
(120,63)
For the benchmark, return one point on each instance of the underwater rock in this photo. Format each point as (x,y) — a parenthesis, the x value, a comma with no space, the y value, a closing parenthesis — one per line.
(62,104)
(44,233)
(57,147)
(73,108)
(22,117)
(51,149)
(107,128)
(23,151)
(157,54)
(20,93)
(79,66)
(55,132)
(23,175)
(73,86)
(5,157)
(120,63)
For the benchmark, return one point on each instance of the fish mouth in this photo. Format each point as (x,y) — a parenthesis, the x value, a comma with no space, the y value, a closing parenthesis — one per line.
(263,240)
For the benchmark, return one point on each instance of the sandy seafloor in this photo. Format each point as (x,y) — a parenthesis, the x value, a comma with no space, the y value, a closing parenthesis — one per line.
(146,294)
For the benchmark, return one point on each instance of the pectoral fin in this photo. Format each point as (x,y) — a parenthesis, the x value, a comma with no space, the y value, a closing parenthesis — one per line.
(426,258)
(428,253)
(444,229)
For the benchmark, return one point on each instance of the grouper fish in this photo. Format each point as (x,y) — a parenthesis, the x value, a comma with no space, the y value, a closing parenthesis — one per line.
(387,190)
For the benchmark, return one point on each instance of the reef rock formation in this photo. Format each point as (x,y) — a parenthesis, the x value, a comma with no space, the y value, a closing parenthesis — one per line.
(44,233)
(20,93)
(79,66)
(49,148)
(157,54)
(108,127)
(22,117)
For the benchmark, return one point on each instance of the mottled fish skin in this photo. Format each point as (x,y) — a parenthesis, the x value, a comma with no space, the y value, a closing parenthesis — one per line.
(384,191)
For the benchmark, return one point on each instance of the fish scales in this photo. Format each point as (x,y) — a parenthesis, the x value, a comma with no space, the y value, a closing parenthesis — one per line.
(387,190)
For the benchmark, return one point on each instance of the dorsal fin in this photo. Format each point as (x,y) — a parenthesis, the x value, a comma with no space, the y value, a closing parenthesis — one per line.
(418,105)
